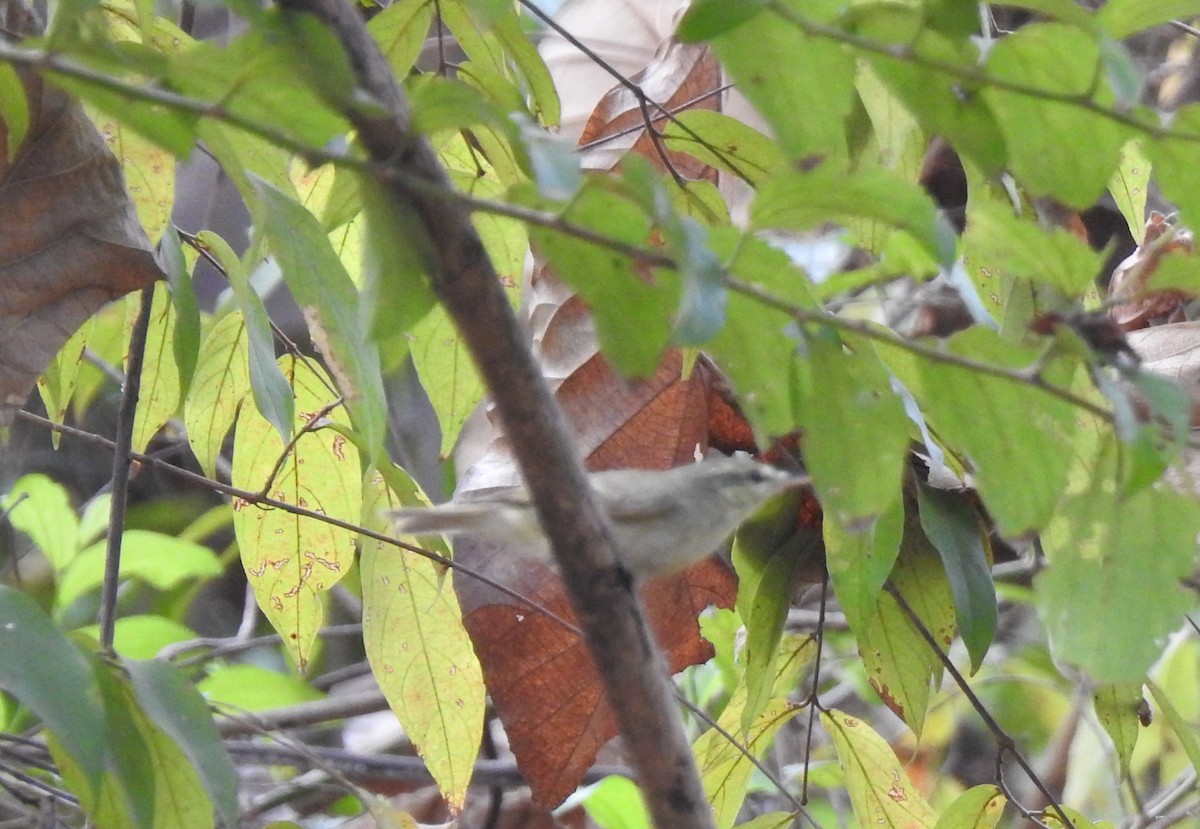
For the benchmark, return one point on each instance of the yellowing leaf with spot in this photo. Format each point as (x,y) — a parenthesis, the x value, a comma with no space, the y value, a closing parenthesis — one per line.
(419,650)
(149,173)
(880,792)
(976,808)
(221,382)
(899,663)
(159,396)
(292,560)
(724,768)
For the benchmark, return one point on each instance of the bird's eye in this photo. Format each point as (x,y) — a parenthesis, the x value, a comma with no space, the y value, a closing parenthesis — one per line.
(757,476)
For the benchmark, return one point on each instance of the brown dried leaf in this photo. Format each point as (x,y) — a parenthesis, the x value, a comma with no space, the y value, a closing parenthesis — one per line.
(681,76)
(1173,351)
(540,674)
(1138,308)
(69,235)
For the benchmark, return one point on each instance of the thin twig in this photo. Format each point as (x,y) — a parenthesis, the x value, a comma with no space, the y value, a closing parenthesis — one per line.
(310,425)
(255,498)
(814,703)
(122,457)
(1006,743)
(970,73)
(870,331)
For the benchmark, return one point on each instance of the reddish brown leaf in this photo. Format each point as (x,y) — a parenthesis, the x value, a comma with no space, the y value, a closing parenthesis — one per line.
(69,236)
(540,674)
(681,76)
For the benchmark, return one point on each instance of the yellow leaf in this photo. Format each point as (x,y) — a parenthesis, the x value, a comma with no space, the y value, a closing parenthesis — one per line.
(724,768)
(419,650)
(880,792)
(976,808)
(221,382)
(291,560)
(158,400)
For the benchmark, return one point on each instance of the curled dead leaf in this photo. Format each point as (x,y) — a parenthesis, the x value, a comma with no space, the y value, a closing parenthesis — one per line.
(1138,307)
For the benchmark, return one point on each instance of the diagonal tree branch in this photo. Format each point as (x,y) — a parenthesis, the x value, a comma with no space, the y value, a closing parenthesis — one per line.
(634,671)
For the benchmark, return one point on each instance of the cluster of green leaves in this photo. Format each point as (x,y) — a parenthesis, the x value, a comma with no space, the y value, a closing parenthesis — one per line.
(851,96)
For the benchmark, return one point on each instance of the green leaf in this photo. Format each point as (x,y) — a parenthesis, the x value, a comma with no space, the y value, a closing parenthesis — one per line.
(706,19)
(979,807)
(860,562)
(769,554)
(175,707)
(36,663)
(944,102)
(1013,435)
(1184,731)
(802,201)
(14,110)
(41,508)
(1117,706)
(1042,135)
(724,143)
(1121,18)
(878,786)
(1104,549)
(1129,185)
(397,255)
(501,46)
(168,128)
(900,664)
(954,528)
(855,430)
(440,104)
(159,397)
(615,803)
(1125,78)
(633,316)
(1174,164)
(784,72)
(254,688)
(271,393)
(263,77)
(1055,257)
(141,636)
(292,561)
(330,303)
(149,781)
(186,342)
(769,820)
(58,384)
(159,560)
(399,30)
(702,306)
(419,650)
(753,348)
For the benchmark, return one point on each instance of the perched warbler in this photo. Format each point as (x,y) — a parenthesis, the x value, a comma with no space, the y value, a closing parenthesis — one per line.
(661,521)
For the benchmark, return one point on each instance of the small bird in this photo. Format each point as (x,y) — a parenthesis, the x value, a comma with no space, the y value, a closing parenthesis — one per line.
(662,521)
